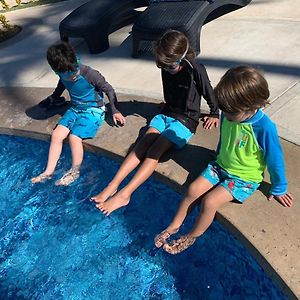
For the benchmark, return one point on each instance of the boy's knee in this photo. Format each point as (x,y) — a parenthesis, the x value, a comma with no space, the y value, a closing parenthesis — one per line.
(56,136)
(193,189)
(144,145)
(74,138)
(147,141)
(158,148)
(208,202)
(154,152)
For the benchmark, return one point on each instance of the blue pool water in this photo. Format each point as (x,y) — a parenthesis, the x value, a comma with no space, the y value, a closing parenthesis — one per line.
(56,245)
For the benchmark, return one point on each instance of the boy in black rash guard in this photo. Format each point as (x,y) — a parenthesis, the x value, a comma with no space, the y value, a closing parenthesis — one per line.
(184,83)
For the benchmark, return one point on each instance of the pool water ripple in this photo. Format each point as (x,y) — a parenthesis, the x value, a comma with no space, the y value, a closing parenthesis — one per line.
(56,245)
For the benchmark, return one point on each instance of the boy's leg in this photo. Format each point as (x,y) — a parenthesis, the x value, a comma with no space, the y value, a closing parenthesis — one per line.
(132,160)
(122,198)
(210,203)
(57,138)
(197,188)
(76,149)
(77,157)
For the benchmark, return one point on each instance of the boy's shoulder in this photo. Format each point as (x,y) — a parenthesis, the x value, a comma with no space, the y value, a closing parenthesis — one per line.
(90,74)
(263,122)
(85,69)
(198,66)
(199,70)
(264,119)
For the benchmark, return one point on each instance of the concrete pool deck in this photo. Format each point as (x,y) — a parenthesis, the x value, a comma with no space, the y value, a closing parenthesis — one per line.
(265,34)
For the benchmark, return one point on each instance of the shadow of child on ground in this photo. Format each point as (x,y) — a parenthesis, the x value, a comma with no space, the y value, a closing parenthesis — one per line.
(134,107)
(37,112)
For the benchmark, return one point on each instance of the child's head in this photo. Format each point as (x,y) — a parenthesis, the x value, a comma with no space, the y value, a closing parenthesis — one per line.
(171,49)
(242,89)
(62,58)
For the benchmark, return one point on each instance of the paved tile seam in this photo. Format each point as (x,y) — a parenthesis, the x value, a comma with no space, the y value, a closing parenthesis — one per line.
(284,113)
(257,19)
(286,91)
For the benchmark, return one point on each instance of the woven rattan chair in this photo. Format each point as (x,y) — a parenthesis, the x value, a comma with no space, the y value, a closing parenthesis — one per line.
(185,16)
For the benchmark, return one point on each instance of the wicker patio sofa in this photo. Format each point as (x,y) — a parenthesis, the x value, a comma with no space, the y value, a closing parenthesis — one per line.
(185,16)
(96,19)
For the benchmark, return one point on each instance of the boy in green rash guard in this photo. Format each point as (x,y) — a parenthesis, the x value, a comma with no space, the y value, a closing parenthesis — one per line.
(248,144)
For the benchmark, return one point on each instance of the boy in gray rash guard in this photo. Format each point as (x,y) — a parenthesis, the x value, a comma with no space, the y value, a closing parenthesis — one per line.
(85,86)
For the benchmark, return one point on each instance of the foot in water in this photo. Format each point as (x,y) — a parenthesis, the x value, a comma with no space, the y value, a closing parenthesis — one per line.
(41,178)
(109,191)
(179,245)
(113,203)
(162,237)
(69,177)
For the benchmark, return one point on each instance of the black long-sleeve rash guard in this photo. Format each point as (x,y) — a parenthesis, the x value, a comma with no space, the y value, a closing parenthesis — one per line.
(98,81)
(183,92)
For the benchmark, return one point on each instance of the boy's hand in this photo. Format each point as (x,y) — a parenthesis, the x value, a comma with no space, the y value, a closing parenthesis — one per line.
(286,200)
(210,122)
(119,119)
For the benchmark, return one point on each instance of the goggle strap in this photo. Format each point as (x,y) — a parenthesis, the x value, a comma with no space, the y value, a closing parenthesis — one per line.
(178,61)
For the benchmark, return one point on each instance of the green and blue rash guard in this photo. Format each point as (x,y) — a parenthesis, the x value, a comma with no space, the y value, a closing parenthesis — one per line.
(87,90)
(246,148)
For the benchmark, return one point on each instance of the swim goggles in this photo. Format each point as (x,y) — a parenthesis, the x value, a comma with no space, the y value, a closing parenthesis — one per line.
(175,65)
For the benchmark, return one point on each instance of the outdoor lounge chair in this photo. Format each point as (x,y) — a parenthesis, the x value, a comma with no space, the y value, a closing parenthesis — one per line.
(185,16)
(96,19)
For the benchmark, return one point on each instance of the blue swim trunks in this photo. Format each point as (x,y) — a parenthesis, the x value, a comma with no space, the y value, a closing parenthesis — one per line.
(238,188)
(172,129)
(83,123)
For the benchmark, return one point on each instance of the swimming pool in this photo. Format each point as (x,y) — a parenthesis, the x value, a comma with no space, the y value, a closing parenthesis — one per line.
(57,245)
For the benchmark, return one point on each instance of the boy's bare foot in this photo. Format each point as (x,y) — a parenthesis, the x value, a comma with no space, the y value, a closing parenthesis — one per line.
(113,203)
(109,191)
(162,237)
(179,245)
(69,177)
(41,178)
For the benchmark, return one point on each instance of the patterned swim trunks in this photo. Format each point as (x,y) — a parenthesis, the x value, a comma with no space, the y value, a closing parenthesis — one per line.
(238,188)
(83,123)
(172,130)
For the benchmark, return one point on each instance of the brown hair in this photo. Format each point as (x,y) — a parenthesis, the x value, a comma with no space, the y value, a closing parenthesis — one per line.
(62,57)
(242,88)
(171,47)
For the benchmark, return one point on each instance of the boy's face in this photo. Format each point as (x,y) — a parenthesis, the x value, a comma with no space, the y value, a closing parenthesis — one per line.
(69,76)
(239,116)
(173,68)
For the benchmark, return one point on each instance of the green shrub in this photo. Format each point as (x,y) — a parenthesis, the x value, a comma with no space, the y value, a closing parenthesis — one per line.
(4,22)
(4,4)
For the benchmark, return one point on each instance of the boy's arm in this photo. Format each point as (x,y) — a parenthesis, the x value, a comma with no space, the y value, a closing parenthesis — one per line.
(269,141)
(220,135)
(58,90)
(207,90)
(100,84)
(55,99)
